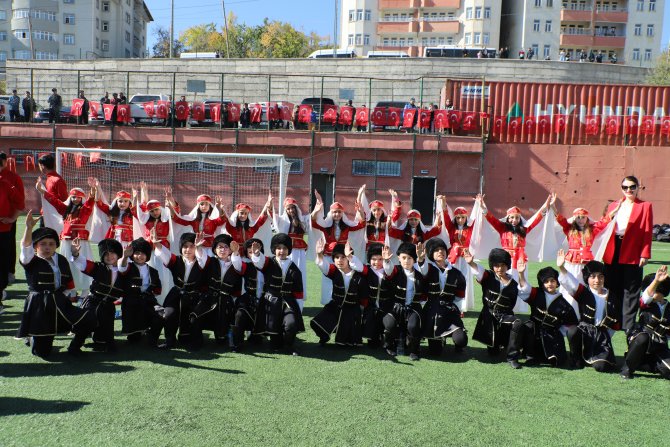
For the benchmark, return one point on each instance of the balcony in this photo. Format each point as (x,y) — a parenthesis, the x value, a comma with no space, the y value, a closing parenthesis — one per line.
(576,15)
(399,4)
(611,16)
(409,26)
(609,41)
(412,51)
(433,26)
(451,4)
(585,37)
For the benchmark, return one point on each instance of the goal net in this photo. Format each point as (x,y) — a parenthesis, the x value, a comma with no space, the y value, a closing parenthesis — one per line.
(236,177)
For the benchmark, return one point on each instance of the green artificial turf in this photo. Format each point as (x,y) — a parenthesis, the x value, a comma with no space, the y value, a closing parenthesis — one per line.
(329,396)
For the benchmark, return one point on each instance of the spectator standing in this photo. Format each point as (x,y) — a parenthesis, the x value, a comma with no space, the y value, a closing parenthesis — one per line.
(122,98)
(410,105)
(15,181)
(29,107)
(530,53)
(245,116)
(105,99)
(592,56)
(561,55)
(599,57)
(54,184)
(350,127)
(55,103)
(115,102)
(613,58)
(83,117)
(14,104)
(522,54)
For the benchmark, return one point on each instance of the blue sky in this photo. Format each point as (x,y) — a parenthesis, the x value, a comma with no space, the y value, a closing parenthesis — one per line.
(305,15)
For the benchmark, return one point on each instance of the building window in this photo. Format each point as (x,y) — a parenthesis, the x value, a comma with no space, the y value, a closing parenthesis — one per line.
(97,23)
(536,50)
(440,40)
(486,38)
(21,34)
(547,26)
(127,53)
(359,14)
(640,5)
(478,39)
(638,29)
(105,25)
(351,15)
(450,40)
(487,13)
(128,18)
(366,39)
(46,55)
(68,1)
(550,3)
(647,54)
(652,5)
(105,6)
(468,13)
(68,57)
(44,35)
(468,38)
(547,51)
(68,39)
(636,54)
(650,30)
(97,43)
(68,19)
(21,13)
(478,12)
(424,41)
(22,54)
(386,41)
(378,168)
(350,39)
(127,37)
(105,45)
(3,15)
(536,26)
(538,3)
(358,39)
(3,35)
(3,56)
(368,14)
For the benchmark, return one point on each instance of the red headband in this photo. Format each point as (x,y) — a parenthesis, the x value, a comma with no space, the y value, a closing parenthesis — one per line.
(413,214)
(153,204)
(77,192)
(242,206)
(123,195)
(460,211)
(290,201)
(376,204)
(336,206)
(580,211)
(514,210)
(203,198)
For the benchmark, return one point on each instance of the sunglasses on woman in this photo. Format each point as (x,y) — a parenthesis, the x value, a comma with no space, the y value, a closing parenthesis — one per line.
(629,187)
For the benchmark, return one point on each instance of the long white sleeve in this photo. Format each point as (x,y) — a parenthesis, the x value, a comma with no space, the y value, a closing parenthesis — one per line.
(259,261)
(236,259)
(569,282)
(646,299)
(79,262)
(388,267)
(423,268)
(162,254)
(201,256)
(323,264)
(356,264)
(27,254)
(524,292)
(478,271)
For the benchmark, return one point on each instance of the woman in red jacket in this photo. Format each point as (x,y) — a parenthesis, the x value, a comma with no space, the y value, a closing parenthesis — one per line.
(628,250)
(204,218)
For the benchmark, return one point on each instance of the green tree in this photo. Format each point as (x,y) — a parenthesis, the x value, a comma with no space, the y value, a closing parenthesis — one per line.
(281,40)
(162,46)
(660,74)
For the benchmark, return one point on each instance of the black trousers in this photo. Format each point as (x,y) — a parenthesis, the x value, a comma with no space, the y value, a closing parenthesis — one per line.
(6,240)
(638,352)
(459,337)
(242,322)
(289,331)
(393,323)
(624,282)
(104,311)
(576,342)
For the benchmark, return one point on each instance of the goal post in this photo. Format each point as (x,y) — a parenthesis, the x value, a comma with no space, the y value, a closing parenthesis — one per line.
(237,177)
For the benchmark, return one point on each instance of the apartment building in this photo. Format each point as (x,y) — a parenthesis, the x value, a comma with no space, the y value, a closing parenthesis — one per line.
(412,25)
(73,29)
(629,29)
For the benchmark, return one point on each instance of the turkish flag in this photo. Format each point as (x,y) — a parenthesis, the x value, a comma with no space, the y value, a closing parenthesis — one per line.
(346,115)
(123,113)
(613,125)
(632,124)
(215,111)
(592,124)
(233,112)
(256,113)
(78,159)
(408,118)
(329,113)
(198,111)
(499,124)
(515,125)
(394,116)
(273,111)
(181,110)
(454,119)
(11,163)
(286,111)
(665,125)
(149,109)
(108,109)
(424,119)
(93,109)
(362,116)
(648,126)
(29,163)
(162,110)
(529,125)
(95,157)
(380,116)
(544,124)
(441,119)
(304,113)
(77,104)
(470,121)
(63,158)
(560,123)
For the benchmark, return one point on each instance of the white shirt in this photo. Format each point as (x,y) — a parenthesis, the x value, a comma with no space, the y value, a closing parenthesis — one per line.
(27,255)
(259,262)
(423,268)
(622,218)
(164,256)
(478,271)
(571,284)
(646,299)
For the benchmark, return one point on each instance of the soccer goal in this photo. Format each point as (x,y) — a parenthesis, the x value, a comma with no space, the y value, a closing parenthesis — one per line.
(236,177)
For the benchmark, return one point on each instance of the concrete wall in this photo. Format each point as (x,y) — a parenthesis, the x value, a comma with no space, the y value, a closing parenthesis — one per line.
(294,79)
(514,174)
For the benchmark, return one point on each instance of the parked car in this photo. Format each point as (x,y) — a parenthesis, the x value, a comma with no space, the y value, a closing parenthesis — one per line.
(316,104)
(386,105)
(42,116)
(264,114)
(208,117)
(137,113)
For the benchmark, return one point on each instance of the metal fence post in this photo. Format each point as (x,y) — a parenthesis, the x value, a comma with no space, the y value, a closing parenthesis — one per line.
(320,105)
(421,93)
(369,105)
(172,111)
(128,83)
(220,105)
(267,107)
(78,82)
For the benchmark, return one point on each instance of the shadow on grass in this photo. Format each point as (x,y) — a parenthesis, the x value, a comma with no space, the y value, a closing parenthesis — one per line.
(20,405)
(60,364)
